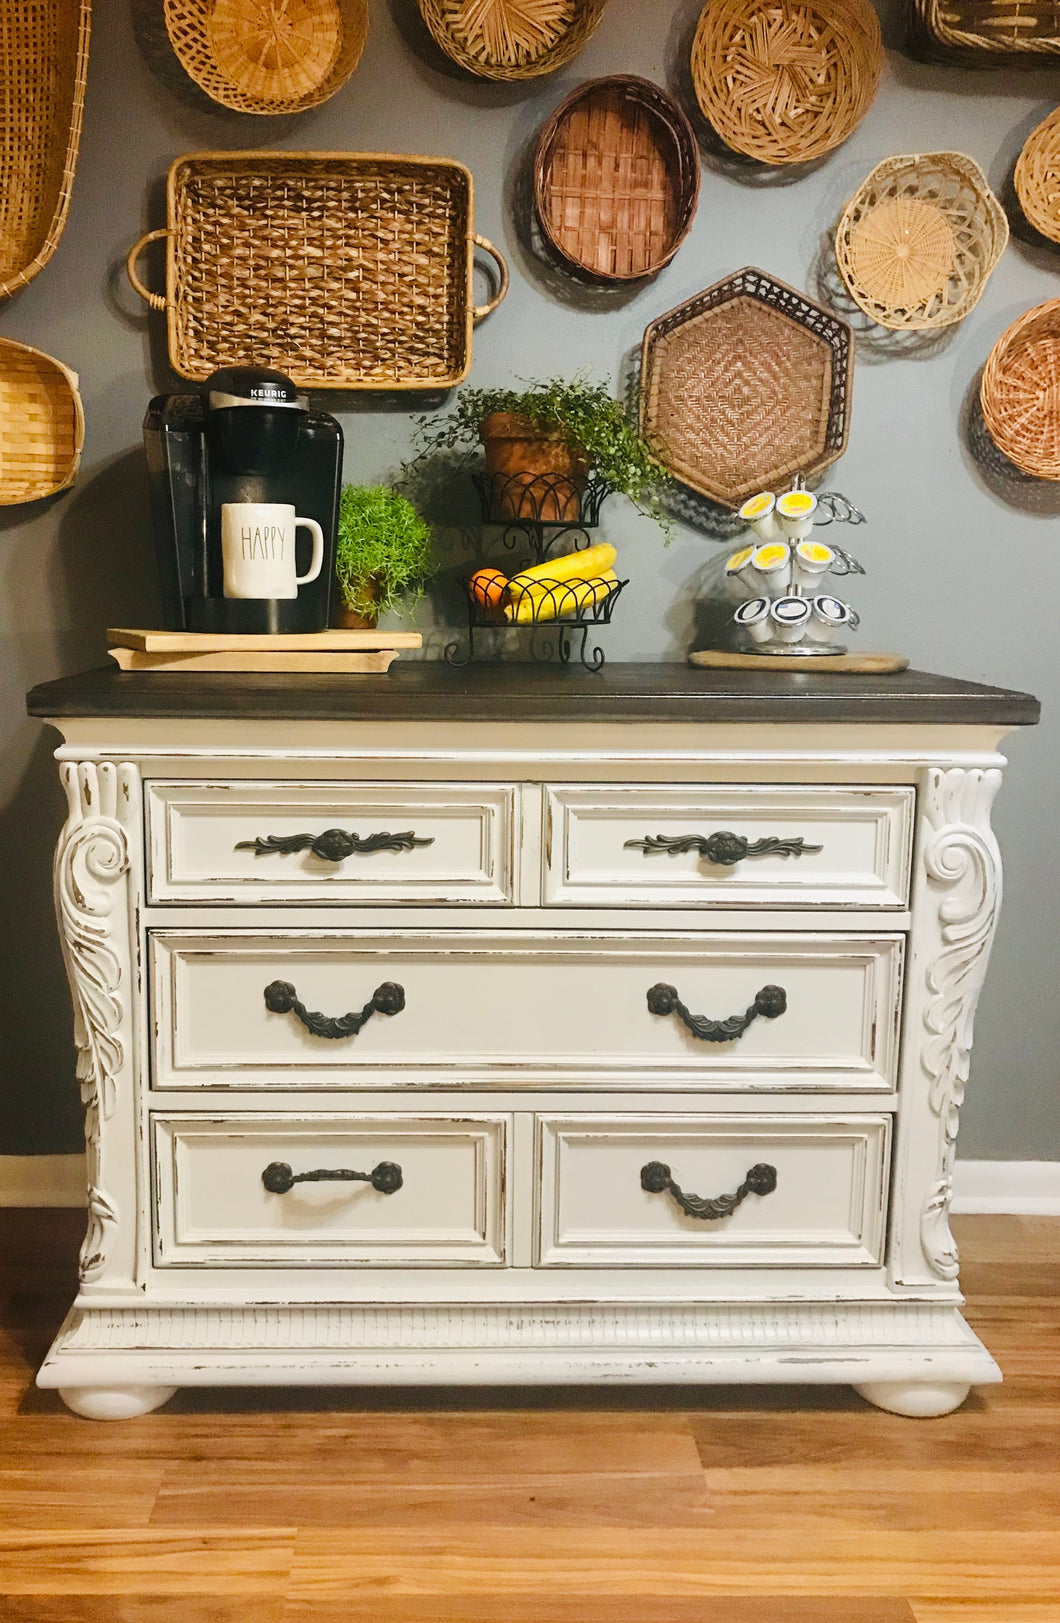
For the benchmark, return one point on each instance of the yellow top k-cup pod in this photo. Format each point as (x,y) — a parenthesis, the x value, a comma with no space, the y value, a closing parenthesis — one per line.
(795,510)
(757,511)
(812,558)
(774,559)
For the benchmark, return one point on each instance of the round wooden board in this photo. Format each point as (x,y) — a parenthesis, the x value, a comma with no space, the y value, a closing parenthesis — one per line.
(720,659)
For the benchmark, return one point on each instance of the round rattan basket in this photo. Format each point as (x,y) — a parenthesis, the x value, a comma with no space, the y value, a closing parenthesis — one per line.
(1020,391)
(511,39)
(1038,177)
(42,425)
(918,240)
(255,57)
(789,81)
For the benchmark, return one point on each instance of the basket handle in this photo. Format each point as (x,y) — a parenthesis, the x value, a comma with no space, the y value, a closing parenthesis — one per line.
(504,279)
(155,300)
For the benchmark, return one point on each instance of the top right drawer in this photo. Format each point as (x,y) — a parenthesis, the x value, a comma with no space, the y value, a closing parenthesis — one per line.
(728,845)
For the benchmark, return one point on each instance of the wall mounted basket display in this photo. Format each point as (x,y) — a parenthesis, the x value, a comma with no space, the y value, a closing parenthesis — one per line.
(986,33)
(42,425)
(1038,177)
(260,57)
(918,240)
(744,386)
(344,270)
(43,69)
(787,82)
(1020,391)
(511,39)
(616,178)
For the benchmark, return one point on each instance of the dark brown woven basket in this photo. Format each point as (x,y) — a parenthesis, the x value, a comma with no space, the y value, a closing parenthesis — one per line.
(745,385)
(986,33)
(616,178)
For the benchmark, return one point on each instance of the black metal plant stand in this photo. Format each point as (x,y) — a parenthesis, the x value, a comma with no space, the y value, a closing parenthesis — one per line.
(538,514)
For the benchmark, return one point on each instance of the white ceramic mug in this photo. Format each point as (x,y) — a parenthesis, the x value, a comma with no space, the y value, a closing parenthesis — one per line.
(258,546)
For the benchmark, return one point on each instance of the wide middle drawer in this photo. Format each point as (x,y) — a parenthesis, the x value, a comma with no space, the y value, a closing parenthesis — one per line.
(472,1008)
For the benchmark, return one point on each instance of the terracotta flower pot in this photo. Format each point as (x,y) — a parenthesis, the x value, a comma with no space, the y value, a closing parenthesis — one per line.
(344,619)
(535,473)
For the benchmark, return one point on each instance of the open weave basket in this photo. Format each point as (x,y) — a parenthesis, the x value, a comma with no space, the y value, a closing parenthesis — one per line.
(1038,177)
(258,57)
(616,178)
(1020,391)
(344,270)
(511,39)
(43,69)
(986,33)
(42,425)
(745,385)
(919,239)
(787,81)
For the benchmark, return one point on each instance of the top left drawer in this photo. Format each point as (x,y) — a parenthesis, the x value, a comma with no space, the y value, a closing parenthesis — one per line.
(253,842)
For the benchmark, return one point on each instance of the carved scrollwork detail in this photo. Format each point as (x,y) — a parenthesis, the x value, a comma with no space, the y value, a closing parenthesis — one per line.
(961,858)
(91,860)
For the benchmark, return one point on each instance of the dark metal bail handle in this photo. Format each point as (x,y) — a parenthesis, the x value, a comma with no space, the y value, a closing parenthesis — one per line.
(334,845)
(657,1179)
(724,848)
(281,998)
(769,1002)
(385,1178)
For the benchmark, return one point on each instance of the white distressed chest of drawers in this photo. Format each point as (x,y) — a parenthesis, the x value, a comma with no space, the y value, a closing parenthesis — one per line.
(519,1025)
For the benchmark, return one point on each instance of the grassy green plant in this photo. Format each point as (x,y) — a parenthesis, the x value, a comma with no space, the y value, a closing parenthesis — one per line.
(382,552)
(585,414)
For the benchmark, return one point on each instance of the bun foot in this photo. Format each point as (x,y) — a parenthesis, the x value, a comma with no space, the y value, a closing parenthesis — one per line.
(920,1399)
(115,1402)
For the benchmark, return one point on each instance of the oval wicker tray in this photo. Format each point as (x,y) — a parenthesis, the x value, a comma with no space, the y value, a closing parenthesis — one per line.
(43,69)
(257,58)
(345,270)
(787,82)
(616,178)
(986,33)
(1020,391)
(42,424)
(1037,177)
(919,239)
(511,39)
(744,386)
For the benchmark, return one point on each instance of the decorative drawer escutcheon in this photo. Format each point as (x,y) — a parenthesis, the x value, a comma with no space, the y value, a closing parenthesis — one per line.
(279,1178)
(334,845)
(723,848)
(771,1002)
(281,998)
(657,1178)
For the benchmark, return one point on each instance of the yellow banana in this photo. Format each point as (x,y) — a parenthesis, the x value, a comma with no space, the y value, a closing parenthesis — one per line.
(589,564)
(541,601)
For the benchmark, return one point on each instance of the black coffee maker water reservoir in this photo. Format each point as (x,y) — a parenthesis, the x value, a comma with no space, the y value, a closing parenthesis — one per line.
(248,437)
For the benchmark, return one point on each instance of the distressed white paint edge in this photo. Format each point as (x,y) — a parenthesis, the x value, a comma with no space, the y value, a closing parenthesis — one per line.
(1028,1188)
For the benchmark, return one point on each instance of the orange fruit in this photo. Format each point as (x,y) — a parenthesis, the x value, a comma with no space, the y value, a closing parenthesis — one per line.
(489,588)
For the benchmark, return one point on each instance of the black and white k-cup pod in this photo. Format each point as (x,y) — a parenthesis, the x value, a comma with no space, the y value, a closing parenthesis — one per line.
(829,615)
(753,617)
(790,617)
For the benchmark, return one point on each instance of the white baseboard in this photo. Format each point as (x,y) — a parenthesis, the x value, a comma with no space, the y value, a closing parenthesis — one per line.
(1028,1187)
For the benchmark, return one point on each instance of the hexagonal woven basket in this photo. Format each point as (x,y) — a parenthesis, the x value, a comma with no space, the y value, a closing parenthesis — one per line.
(918,240)
(745,385)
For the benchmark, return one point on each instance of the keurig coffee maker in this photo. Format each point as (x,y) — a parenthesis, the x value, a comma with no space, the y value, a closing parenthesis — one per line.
(240,465)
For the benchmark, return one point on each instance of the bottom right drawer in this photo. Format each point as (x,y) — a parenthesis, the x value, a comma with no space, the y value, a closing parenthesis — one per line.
(728,1190)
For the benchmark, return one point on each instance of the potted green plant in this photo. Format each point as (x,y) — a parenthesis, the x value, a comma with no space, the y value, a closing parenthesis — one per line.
(382,554)
(544,440)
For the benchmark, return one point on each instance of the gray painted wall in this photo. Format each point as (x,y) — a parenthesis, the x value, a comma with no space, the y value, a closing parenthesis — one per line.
(963,562)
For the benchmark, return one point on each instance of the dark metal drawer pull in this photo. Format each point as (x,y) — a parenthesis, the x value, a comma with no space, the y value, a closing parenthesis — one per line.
(769,1002)
(724,848)
(385,1178)
(334,845)
(760,1180)
(281,998)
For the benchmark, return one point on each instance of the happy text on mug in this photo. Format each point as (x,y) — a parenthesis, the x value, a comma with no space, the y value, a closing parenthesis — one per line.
(263,541)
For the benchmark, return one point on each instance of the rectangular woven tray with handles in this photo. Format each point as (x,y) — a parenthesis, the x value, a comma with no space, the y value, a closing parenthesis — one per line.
(986,33)
(344,270)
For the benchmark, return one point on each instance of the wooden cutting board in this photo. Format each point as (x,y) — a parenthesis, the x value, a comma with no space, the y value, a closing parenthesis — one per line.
(372,661)
(719,659)
(303,642)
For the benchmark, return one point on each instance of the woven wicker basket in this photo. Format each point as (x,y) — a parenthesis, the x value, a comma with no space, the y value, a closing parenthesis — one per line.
(744,386)
(1038,177)
(986,33)
(43,69)
(1020,391)
(616,178)
(344,270)
(511,39)
(259,58)
(788,81)
(42,425)
(918,240)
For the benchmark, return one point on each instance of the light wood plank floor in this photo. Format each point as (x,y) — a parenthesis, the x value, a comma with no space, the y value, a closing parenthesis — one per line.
(741,1505)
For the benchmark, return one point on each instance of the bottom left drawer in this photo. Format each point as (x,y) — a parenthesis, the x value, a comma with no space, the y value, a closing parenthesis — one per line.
(246,1190)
